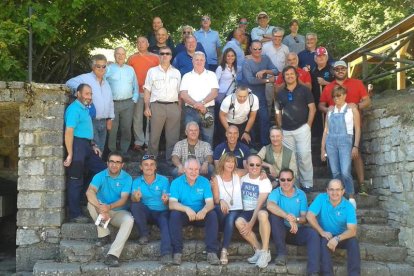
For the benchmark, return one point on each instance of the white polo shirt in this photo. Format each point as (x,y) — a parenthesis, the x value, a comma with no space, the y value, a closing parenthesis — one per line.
(163,85)
(241,111)
(199,85)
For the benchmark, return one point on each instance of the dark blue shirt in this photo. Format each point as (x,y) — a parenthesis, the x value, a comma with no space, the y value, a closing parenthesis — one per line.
(241,151)
(307,57)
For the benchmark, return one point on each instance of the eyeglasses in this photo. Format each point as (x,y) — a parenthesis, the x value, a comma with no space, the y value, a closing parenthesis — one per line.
(165,54)
(290,96)
(255,165)
(256,49)
(277,36)
(113,162)
(285,179)
(100,66)
(205,19)
(186,32)
(335,190)
(296,39)
(262,17)
(148,157)
(340,69)
(337,95)
(243,23)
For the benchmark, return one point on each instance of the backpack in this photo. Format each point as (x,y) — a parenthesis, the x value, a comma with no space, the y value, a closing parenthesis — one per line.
(233,99)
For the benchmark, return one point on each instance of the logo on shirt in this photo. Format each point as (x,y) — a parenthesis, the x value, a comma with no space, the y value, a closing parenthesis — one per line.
(199,191)
(297,200)
(157,188)
(338,213)
(118,184)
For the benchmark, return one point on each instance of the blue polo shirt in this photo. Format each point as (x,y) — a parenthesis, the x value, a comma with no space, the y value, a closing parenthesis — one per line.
(241,151)
(292,205)
(77,117)
(191,196)
(184,63)
(333,219)
(211,41)
(152,193)
(110,189)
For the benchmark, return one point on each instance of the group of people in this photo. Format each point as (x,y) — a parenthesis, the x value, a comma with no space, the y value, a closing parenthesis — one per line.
(226,99)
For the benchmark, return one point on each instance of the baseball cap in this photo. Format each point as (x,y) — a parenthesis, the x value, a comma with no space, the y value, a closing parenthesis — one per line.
(262,13)
(340,63)
(321,51)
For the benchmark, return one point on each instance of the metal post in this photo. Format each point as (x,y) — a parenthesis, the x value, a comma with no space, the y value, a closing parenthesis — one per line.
(30,65)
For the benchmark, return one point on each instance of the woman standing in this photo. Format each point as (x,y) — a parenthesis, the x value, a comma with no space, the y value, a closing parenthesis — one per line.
(338,144)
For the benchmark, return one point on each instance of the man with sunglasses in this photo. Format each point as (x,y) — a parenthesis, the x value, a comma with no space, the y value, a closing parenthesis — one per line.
(295,110)
(211,42)
(101,98)
(247,39)
(150,205)
(162,105)
(108,196)
(254,195)
(357,94)
(288,205)
(263,32)
(334,218)
(294,40)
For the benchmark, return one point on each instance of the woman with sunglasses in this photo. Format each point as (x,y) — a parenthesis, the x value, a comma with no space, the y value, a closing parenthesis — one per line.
(338,145)
(187,30)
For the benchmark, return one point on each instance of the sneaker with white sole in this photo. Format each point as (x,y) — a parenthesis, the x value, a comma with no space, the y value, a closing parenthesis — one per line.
(353,202)
(253,259)
(264,259)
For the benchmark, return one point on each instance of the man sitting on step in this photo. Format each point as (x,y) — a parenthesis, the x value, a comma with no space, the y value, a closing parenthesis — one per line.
(191,202)
(334,218)
(107,196)
(287,206)
(150,205)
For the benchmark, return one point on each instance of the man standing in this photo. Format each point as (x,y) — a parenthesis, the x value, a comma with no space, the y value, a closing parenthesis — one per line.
(243,22)
(198,89)
(263,32)
(358,95)
(191,201)
(107,196)
(304,77)
(334,218)
(307,56)
(162,40)
(184,60)
(235,44)
(295,110)
(141,61)
(256,72)
(288,205)
(156,25)
(150,205)
(124,87)
(101,97)
(83,154)
(241,151)
(295,41)
(211,42)
(162,105)
(254,195)
(276,51)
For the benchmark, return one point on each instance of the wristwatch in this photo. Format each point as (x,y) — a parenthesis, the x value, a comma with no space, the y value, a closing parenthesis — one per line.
(297,219)
(267,80)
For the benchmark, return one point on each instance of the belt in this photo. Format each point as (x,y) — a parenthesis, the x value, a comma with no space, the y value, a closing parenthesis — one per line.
(122,100)
(190,106)
(161,102)
(83,139)
(101,119)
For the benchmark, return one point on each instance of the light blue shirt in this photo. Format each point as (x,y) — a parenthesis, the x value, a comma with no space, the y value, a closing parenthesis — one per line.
(123,82)
(101,94)
(295,205)
(258,32)
(333,219)
(297,45)
(77,117)
(152,193)
(110,189)
(235,45)
(193,196)
(211,41)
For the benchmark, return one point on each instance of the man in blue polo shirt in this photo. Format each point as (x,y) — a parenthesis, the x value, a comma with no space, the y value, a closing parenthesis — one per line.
(82,155)
(287,206)
(191,201)
(184,60)
(211,42)
(334,218)
(149,205)
(108,196)
(240,150)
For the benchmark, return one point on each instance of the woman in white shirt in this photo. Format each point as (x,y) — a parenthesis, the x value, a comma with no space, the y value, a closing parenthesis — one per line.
(338,144)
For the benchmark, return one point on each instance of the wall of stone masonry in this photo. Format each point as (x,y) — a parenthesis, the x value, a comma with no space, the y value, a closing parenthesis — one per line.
(41,175)
(388,147)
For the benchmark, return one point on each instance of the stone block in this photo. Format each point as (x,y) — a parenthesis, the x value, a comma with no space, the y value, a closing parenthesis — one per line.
(31,167)
(395,183)
(77,251)
(40,217)
(389,121)
(3,85)
(29,200)
(27,237)
(410,153)
(409,166)
(26,138)
(49,267)
(33,124)
(51,235)
(49,138)
(54,200)
(55,110)
(26,257)
(41,151)
(41,183)
(390,156)
(95,269)
(407,180)
(16,85)
(400,269)
(54,166)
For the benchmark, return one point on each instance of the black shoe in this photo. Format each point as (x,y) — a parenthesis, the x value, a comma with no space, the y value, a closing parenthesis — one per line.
(111,260)
(80,219)
(307,190)
(143,240)
(280,260)
(313,274)
(166,259)
(103,241)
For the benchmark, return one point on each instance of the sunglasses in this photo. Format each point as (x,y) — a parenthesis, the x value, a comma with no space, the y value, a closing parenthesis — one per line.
(148,157)
(290,96)
(100,66)
(285,179)
(262,17)
(337,95)
(256,49)
(296,39)
(255,165)
(115,162)
(165,54)
(205,19)
(339,69)
(184,32)
(243,23)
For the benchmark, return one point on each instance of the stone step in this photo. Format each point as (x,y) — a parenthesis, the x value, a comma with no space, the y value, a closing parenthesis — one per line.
(85,251)
(294,266)
(376,233)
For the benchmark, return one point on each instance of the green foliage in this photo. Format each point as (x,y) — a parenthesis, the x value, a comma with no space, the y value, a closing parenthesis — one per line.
(64,31)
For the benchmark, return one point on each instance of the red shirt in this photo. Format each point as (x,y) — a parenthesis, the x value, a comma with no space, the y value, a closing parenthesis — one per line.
(356,91)
(141,65)
(304,76)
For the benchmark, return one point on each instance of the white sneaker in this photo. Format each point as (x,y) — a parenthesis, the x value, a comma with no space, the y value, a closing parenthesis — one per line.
(264,259)
(353,202)
(253,259)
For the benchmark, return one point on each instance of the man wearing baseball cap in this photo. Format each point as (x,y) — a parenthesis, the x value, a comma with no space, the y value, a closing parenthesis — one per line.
(263,32)
(357,94)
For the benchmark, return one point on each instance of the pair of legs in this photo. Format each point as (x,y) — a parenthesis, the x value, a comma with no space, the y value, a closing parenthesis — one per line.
(207,133)
(140,136)
(124,111)
(226,223)
(121,219)
(261,124)
(264,229)
(143,215)
(99,133)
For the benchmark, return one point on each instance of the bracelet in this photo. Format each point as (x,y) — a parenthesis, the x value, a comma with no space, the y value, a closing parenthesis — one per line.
(356,147)
(337,238)
(248,132)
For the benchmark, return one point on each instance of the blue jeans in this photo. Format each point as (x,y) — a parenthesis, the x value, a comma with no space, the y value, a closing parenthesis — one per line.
(207,133)
(99,133)
(353,257)
(262,120)
(179,219)
(305,236)
(226,223)
(143,215)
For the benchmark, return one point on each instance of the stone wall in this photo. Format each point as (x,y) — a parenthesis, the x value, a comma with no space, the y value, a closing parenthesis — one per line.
(41,175)
(388,135)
